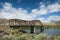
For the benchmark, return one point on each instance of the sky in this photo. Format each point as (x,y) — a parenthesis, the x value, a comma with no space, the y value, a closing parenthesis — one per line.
(43,10)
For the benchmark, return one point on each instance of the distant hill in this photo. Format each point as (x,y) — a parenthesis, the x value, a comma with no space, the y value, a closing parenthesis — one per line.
(57,23)
(50,24)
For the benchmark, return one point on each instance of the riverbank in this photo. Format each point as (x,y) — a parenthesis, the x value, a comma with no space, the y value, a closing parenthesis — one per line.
(51,27)
(41,36)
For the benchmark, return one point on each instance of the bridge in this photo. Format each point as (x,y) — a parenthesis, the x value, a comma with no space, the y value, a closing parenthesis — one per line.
(16,23)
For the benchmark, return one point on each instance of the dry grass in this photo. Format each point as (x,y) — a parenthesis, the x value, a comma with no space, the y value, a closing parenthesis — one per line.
(40,36)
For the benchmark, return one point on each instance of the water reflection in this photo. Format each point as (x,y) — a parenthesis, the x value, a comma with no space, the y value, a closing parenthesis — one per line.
(52,31)
(48,31)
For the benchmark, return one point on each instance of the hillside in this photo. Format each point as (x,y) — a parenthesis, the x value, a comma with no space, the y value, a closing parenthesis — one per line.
(57,23)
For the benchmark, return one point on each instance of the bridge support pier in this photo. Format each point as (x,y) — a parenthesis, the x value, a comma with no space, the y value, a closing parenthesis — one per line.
(41,28)
(32,29)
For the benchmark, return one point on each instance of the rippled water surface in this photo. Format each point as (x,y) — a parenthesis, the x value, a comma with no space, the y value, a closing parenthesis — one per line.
(48,31)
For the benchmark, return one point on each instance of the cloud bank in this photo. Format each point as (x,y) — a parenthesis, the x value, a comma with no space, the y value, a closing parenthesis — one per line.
(9,12)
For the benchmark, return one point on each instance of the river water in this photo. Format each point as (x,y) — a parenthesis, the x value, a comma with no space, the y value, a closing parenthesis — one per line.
(55,32)
(52,32)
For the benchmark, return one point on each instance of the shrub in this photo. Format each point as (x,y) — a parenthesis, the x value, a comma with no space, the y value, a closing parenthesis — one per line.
(10,37)
(41,37)
(24,37)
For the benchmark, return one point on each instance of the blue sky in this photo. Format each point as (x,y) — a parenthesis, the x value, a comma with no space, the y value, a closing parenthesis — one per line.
(44,10)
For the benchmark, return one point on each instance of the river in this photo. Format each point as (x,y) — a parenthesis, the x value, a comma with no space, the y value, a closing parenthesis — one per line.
(54,32)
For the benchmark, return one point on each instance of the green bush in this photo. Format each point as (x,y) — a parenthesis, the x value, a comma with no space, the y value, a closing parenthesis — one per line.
(23,37)
(41,36)
(10,37)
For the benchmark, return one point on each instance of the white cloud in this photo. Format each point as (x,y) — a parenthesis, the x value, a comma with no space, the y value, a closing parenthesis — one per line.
(46,9)
(49,19)
(43,20)
(54,18)
(10,12)
(41,11)
(54,7)
(7,6)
